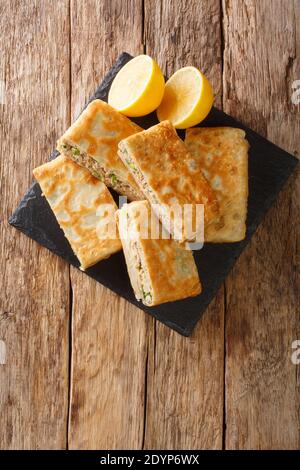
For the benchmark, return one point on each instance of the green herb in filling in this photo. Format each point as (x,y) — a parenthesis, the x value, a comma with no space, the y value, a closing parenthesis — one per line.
(98,175)
(113,179)
(131,165)
(146,294)
(75,151)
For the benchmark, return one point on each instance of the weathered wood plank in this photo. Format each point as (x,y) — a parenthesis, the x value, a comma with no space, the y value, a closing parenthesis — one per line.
(34,307)
(185,33)
(109,335)
(262,385)
(185,385)
(185,375)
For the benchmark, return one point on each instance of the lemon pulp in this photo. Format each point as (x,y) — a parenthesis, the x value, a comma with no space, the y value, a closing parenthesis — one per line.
(138,87)
(187,100)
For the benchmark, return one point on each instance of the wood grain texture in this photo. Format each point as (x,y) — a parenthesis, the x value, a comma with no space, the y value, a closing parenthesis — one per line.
(180,33)
(185,385)
(135,383)
(185,375)
(109,335)
(34,301)
(261,59)
(108,364)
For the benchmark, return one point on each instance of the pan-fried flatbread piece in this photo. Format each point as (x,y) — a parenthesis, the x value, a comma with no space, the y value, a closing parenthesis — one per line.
(83,207)
(169,177)
(160,269)
(222,154)
(92,141)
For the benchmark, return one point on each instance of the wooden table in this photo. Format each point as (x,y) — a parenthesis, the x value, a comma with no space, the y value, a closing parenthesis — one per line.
(82,368)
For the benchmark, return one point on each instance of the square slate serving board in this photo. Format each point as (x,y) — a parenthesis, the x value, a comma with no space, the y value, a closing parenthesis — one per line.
(269,168)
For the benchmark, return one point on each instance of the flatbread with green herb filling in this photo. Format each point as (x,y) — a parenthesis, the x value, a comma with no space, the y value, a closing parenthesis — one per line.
(92,142)
(160,269)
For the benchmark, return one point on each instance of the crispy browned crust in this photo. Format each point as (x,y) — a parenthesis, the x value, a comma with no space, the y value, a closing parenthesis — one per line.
(75,196)
(96,133)
(222,154)
(170,268)
(165,171)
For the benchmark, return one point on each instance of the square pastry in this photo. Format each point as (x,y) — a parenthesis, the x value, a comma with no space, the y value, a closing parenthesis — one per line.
(160,269)
(92,141)
(83,207)
(222,155)
(170,179)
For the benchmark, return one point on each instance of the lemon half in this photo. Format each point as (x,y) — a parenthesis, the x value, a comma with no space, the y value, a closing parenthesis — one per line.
(138,88)
(187,100)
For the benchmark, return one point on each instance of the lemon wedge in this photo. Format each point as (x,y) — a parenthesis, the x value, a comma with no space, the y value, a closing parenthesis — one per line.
(187,100)
(138,88)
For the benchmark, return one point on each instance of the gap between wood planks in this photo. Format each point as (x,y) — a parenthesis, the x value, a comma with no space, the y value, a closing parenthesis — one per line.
(154,320)
(222,43)
(70,281)
(70,360)
(151,339)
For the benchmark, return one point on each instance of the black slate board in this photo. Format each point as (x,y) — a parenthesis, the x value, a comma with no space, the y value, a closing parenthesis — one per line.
(269,167)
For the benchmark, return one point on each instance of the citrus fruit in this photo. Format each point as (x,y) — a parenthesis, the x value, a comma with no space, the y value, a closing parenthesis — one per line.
(187,100)
(138,87)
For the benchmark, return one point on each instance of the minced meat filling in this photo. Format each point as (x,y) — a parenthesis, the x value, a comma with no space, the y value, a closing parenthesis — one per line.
(139,275)
(108,177)
(163,213)
(142,277)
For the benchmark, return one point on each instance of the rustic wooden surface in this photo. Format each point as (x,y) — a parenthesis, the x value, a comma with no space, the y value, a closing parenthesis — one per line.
(34,300)
(262,384)
(92,371)
(185,388)
(109,335)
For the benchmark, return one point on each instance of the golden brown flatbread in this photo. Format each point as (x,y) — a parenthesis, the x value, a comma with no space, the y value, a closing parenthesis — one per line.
(168,176)
(92,141)
(222,155)
(160,269)
(83,207)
